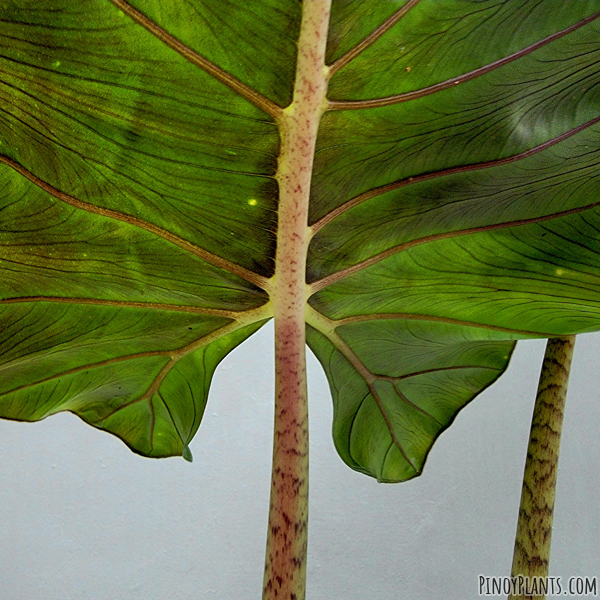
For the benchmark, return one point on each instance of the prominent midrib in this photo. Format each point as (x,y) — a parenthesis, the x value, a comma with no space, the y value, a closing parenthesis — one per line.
(285,565)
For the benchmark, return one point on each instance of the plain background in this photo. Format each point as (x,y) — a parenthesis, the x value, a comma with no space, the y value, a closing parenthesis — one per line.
(84,518)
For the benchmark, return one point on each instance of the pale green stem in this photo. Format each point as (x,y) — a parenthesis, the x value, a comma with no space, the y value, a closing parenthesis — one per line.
(285,564)
(534,530)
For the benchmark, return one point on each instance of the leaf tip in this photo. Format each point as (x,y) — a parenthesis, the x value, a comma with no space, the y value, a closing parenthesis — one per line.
(187,454)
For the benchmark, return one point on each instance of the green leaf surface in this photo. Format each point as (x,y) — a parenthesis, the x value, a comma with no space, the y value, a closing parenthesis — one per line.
(398,383)
(454,207)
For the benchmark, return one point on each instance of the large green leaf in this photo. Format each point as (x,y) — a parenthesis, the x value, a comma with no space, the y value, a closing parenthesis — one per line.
(454,205)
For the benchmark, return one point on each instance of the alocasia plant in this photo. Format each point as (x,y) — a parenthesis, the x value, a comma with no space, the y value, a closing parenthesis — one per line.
(412,185)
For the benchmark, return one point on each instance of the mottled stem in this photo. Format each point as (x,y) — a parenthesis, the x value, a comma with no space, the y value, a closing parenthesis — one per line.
(534,529)
(285,565)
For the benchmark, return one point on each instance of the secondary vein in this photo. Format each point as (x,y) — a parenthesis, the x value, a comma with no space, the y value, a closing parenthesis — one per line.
(179,353)
(260,101)
(407,96)
(85,367)
(209,257)
(174,355)
(327,327)
(434,319)
(372,38)
(231,314)
(335,277)
(336,212)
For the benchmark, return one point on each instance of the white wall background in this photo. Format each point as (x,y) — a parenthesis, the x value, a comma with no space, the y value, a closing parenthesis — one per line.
(83,518)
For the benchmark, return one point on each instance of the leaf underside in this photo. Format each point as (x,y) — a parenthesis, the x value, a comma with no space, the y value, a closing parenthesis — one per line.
(455,206)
